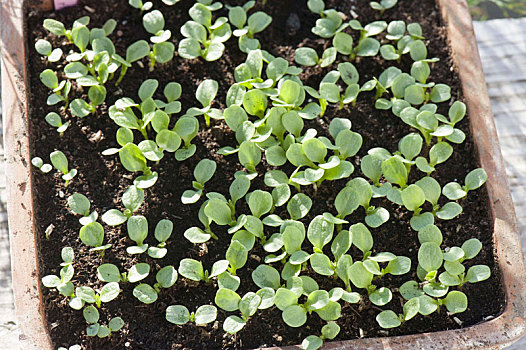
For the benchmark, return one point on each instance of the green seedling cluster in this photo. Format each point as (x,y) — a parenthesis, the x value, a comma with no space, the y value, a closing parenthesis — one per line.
(274,119)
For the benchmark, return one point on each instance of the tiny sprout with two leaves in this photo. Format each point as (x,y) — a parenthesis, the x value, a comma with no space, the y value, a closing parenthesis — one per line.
(55,121)
(39,163)
(91,315)
(80,205)
(132,200)
(63,283)
(60,162)
(203,172)
(179,314)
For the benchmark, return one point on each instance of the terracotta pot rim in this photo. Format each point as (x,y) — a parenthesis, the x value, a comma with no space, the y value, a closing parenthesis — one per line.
(494,334)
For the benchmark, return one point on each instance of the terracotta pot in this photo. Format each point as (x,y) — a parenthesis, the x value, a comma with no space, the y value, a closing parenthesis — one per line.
(495,334)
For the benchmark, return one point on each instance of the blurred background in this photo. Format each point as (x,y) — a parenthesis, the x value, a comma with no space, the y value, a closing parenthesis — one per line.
(500,27)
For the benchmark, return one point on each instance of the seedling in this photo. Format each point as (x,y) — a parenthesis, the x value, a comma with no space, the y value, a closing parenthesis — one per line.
(179,315)
(80,205)
(330,23)
(473,180)
(163,231)
(63,283)
(86,295)
(165,277)
(92,235)
(39,163)
(44,48)
(257,22)
(193,270)
(383,5)
(206,93)
(308,57)
(55,121)
(91,315)
(202,38)
(138,4)
(60,162)
(132,200)
(367,46)
(60,90)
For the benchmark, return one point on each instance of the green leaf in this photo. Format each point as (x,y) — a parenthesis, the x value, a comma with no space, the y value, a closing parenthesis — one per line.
(91,314)
(233,324)
(108,273)
(388,319)
(79,204)
(80,108)
(189,48)
(361,237)
(299,206)
(145,293)
(137,51)
(92,234)
(449,211)
(475,179)
(153,21)
(294,316)
(115,324)
(54,26)
(343,43)
(381,296)
(258,21)
(260,203)
(346,202)
(430,233)
(218,211)
(320,232)
(138,272)
(205,314)
(395,171)
(306,56)
(440,93)
(367,47)
(456,302)
(132,158)
(237,254)
(478,273)
(191,269)
(321,264)
(166,277)
(266,276)
(471,248)
(177,314)
(109,292)
(413,197)
(255,102)
(312,342)
(430,256)
(227,299)
(456,112)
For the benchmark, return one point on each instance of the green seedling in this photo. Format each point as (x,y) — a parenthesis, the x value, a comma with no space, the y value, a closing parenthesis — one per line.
(314,342)
(193,270)
(60,90)
(63,283)
(92,235)
(140,5)
(91,315)
(137,226)
(306,56)
(246,29)
(60,162)
(206,93)
(163,231)
(80,205)
(330,24)
(132,200)
(86,295)
(44,48)
(165,277)
(39,163)
(81,108)
(55,121)
(179,315)
(473,180)
(383,5)
(202,38)
(367,46)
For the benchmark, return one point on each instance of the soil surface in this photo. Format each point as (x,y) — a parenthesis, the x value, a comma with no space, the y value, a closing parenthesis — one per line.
(103,180)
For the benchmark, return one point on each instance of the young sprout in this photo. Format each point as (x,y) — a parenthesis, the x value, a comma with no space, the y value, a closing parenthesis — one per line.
(138,4)
(257,22)
(162,50)
(55,121)
(80,205)
(163,231)
(60,162)
(308,57)
(84,295)
(44,48)
(96,95)
(60,90)
(330,23)
(367,46)
(314,342)
(193,270)
(203,172)
(63,283)
(132,200)
(473,180)
(134,52)
(165,277)
(206,93)
(39,163)
(383,5)
(179,315)
(137,231)
(202,38)
(92,235)
(91,315)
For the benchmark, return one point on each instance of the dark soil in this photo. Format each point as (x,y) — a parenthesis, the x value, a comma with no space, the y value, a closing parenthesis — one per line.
(103,180)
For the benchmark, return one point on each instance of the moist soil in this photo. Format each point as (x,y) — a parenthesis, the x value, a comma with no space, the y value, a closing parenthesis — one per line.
(103,180)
